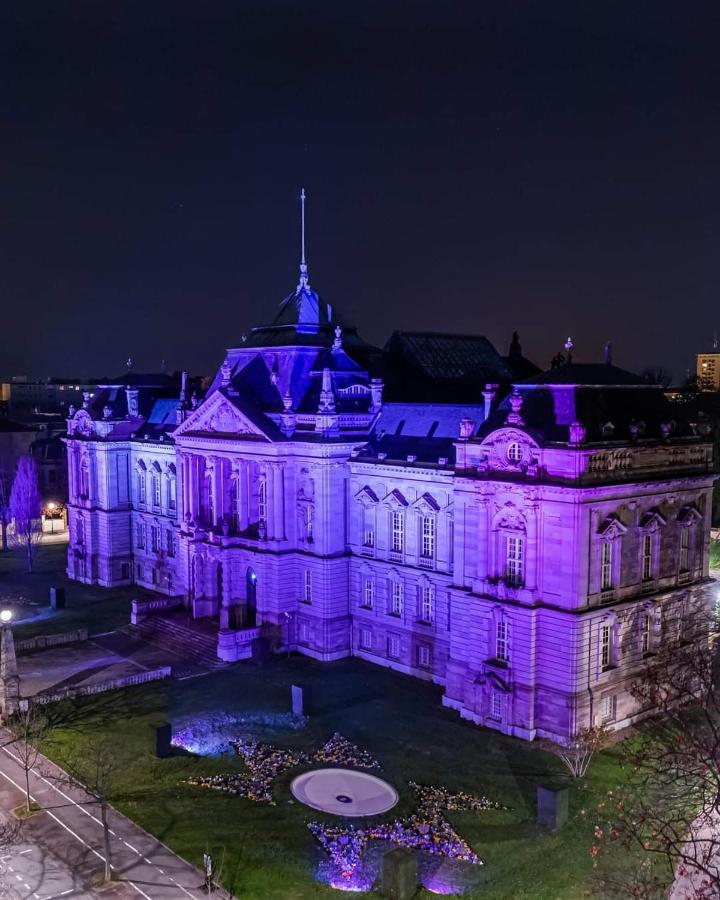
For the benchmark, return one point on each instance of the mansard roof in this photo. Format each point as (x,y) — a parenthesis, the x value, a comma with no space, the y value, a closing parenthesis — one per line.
(611,404)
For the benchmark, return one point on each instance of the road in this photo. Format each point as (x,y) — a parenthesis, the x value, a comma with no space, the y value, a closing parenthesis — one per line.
(62,847)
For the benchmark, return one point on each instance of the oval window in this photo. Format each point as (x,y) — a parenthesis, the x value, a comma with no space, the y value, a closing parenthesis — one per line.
(514,452)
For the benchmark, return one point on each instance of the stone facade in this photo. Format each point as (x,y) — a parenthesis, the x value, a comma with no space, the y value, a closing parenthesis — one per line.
(529,555)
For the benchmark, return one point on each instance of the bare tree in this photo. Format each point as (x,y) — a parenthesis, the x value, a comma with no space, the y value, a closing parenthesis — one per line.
(97,770)
(669,809)
(578,753)
(30,727)
(5,482)
(657,375)
(25,508)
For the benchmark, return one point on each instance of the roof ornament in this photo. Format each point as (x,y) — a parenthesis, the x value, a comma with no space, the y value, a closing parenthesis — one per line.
(327,398)
(569,349)
(303,283)
(337,343)
(225,372)
(715,341)
(516,402)
(607,353)
(129,363)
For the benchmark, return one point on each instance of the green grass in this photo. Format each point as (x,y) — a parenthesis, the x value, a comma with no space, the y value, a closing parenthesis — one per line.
(268,852)
(95,608)
(715,554)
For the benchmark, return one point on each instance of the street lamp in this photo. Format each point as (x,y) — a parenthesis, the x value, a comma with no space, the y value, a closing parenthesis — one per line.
(5,616)
(52,506)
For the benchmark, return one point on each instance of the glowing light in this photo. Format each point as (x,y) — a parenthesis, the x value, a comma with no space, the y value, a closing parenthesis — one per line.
(52,505)
(5,616)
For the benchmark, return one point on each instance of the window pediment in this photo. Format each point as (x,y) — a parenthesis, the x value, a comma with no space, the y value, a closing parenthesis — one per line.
(427,503)
(218,415)
(612,528)
(688,515)
(395,499)
(652,521)
(366,496)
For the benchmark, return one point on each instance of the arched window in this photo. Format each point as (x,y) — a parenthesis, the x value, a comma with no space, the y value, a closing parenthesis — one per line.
(142,487)
(156,496)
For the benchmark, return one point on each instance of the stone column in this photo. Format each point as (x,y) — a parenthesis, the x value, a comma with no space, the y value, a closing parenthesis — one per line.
(483,536)
(9,679)
(278,503)
(269,500)
(244,482)
(531,574)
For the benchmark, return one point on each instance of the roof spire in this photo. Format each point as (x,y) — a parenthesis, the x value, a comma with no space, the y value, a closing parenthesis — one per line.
(303,265)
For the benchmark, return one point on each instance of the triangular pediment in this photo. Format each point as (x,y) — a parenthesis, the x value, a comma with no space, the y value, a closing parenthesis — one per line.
(689,515)
(219,416)
(652,521)
(366,496)
(395,498)
(612,528)
(427,503)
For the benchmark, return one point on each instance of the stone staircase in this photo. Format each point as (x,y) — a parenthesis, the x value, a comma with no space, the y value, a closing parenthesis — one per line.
(191,643)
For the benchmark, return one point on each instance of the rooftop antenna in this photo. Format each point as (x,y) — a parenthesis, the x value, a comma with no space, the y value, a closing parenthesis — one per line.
(303,264)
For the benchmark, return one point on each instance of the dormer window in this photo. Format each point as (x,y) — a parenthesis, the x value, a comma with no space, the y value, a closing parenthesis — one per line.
(514,453)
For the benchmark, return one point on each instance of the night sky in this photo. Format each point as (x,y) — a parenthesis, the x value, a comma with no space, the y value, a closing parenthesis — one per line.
(472,167)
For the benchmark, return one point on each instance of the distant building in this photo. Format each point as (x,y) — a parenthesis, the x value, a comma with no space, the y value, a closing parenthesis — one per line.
(528,550)
(24,397)
(708,371)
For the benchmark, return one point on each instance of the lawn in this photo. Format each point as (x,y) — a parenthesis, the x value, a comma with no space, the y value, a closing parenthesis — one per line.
(95,608)
(267,851)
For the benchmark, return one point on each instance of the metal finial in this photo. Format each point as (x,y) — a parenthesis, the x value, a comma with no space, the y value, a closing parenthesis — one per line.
(303,264)
(129,363)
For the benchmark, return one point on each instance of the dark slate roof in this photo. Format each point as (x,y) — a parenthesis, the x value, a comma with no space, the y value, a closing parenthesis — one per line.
(427,451)
(449,356)
(140,380)
(588,374)
(549,409)
(423,420)
(9,426)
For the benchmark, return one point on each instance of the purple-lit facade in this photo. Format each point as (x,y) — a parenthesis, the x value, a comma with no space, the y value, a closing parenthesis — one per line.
(527,552)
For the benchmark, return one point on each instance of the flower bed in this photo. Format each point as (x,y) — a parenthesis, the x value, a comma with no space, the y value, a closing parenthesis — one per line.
(265,763)
(427,831)
(339,751)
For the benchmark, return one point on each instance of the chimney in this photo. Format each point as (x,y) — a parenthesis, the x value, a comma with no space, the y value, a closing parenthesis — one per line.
(488,397)
(132,401)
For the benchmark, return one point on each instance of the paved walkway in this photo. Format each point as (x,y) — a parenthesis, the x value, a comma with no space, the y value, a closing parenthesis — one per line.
(62,847)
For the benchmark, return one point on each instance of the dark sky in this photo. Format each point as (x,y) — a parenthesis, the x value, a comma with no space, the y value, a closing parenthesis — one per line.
(474,167)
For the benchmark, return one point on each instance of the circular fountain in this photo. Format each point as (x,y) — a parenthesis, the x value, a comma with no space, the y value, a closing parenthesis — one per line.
(344,792)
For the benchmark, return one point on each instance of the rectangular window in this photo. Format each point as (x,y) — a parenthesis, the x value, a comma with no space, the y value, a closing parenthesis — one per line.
(645,624)
(684,550)
(427,603)
(155,537)
(607,708)
(307,586)
(304,633)
(398,532)
(424,657)
(368,537)
(605,647)
(142,488)
(140,535)
(647,555)
(308,523)
(428,537)
(365,639)
(396,599)
(156,490)
(502,642)
(394,646)
(172,493)
(170,542)
(514,560)
(155,577)
(368,599)
(606,577)
(139,572)
(496,705)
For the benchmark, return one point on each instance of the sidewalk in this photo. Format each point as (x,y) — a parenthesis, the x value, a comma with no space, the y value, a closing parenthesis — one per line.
(72,834)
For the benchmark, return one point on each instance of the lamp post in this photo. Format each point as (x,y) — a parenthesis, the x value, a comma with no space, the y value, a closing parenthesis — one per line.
(9,679)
